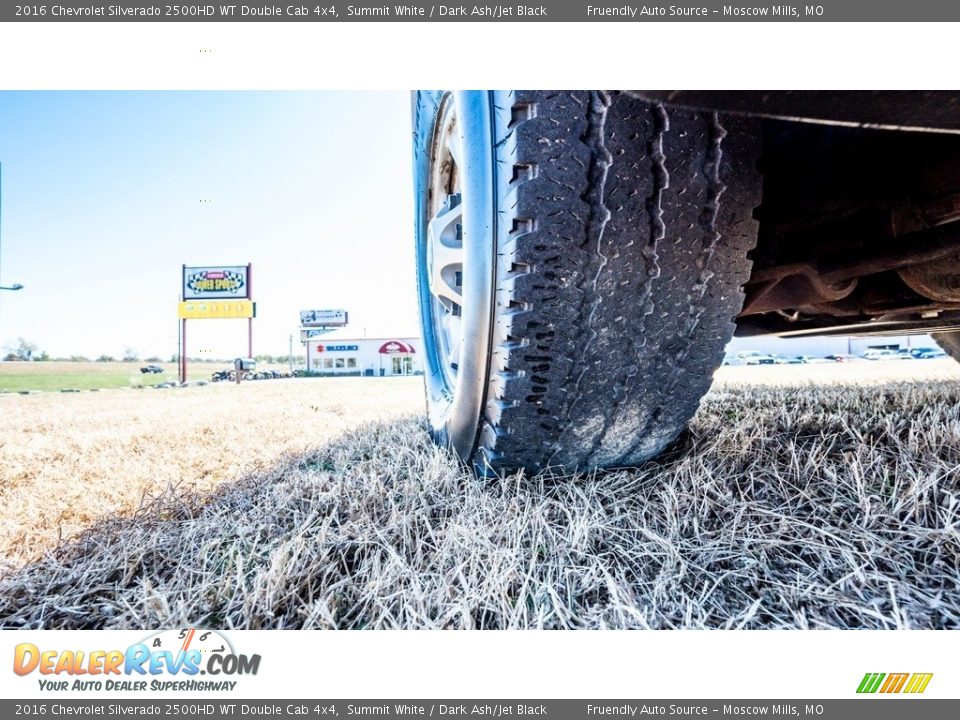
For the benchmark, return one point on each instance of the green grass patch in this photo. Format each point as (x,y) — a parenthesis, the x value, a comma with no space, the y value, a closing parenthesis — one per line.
(55,376)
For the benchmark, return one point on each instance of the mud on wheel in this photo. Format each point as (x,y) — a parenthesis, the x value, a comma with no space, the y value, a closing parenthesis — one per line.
(580,260)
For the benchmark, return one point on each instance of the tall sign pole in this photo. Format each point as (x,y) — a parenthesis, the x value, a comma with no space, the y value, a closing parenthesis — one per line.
(183,332)
(183,353)
(218,292)
(179,339)
(250,319)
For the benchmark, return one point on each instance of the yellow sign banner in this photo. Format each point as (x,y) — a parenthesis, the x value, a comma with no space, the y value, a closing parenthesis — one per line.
(216,309)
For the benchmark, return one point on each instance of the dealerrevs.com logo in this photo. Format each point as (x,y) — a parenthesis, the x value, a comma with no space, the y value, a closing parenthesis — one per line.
(170,660)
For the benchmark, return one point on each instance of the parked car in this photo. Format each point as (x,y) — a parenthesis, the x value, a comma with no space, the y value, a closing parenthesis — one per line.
(881,354)
(807,360)
(584,257)
(151,370)
(751,357)
(840,357)
(927,353)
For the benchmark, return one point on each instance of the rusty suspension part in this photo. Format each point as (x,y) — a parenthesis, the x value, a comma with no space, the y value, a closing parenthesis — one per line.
(917,256)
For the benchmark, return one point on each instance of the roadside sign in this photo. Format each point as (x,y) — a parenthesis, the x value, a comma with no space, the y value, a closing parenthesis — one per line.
(216,282)
(214,292)
(307,334)
(217,309)
(320,318)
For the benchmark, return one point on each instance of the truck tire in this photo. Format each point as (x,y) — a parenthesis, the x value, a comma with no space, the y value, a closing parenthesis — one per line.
(949,343)
(580,260)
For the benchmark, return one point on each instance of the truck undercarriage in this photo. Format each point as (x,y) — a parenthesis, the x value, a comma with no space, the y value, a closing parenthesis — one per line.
(859,232)
(859,228)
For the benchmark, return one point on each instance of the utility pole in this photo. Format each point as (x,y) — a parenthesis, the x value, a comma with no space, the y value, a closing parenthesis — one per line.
(290,355)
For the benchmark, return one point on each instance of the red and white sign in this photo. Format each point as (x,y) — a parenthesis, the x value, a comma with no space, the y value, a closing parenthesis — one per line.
(394,347)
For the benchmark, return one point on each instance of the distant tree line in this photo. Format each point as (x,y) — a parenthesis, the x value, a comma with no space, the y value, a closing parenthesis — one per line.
(25,351)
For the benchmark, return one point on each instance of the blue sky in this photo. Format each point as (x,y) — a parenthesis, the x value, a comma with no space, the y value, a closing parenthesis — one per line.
(102,203)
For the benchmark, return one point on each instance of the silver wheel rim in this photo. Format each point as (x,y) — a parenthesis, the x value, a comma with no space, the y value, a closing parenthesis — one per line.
(456,185)
(444,242)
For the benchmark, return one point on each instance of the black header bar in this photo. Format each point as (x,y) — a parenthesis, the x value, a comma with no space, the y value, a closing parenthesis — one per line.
(332,11)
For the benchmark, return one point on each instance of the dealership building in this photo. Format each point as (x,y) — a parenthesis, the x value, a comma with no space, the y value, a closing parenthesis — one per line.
(337,354)
(340,353)
(822,345)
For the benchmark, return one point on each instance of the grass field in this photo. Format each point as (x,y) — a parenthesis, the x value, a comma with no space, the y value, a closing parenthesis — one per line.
(802,496)
(53,376)
(57,376)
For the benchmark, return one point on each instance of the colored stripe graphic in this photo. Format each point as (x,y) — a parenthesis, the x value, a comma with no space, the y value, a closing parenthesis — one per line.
(903,679)
(894,683)
(918,682)
(870,683)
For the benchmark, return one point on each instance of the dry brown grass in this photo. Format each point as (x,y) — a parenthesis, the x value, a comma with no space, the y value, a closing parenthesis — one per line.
(70,460)
(809,501)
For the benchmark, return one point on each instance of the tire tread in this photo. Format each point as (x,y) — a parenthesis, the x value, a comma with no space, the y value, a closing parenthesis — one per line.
(622,249)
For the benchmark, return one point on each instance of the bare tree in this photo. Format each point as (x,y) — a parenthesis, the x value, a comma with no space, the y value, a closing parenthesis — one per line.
(21,350)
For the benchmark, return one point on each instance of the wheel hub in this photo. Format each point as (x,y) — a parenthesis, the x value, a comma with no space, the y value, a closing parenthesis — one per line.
(445,251)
